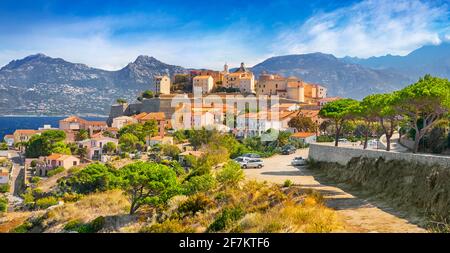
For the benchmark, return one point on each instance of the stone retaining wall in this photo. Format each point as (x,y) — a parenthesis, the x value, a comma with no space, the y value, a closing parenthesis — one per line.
(342,155)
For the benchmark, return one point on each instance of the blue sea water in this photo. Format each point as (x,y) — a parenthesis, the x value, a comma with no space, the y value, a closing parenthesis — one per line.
(9,124)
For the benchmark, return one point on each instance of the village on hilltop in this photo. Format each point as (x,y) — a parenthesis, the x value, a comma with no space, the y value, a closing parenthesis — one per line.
(294,97)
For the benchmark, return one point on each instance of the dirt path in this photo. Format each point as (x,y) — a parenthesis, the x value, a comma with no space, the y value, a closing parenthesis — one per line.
(358,215)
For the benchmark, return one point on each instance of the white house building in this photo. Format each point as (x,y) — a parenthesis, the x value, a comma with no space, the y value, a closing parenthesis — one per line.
(95,145)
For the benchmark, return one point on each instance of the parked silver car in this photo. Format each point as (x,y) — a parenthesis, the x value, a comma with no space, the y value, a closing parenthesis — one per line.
(246,162)
(298,161)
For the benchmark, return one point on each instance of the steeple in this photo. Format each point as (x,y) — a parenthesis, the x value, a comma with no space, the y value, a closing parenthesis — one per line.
(225,68)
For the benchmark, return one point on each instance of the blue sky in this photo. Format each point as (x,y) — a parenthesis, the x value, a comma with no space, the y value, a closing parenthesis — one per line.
(109,34)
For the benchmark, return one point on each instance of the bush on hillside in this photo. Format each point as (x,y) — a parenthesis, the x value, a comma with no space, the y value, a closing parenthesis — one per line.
(55,171)
(46,202)
(227,218)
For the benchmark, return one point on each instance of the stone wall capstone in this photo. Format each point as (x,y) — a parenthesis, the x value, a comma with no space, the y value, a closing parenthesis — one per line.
(342,155)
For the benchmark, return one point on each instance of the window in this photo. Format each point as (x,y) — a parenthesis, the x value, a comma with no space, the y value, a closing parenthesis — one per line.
(74,163)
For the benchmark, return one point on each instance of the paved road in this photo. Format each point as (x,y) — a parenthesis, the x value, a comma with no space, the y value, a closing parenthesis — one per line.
(17,175)
(358,215)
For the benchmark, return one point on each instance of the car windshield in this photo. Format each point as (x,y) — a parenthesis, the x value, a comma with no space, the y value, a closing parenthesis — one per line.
(298,158)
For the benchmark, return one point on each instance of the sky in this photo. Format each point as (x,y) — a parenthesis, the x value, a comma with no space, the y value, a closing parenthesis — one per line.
(207,34)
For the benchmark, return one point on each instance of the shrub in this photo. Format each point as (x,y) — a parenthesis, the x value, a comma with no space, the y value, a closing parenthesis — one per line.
(92,227)
(231,174)
(201,183)
(3,204)
(287,183)
(73,225)
(195,204)
(46,202)
(22,228)
(4,188)
(71,197)
(170,150)
(324,138)
(28,225)
(226,219)
(55,171)
(168,226)
(35,180)
(33,163)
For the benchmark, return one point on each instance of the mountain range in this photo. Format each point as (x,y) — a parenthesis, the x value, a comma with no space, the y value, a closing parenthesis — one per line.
(39,84)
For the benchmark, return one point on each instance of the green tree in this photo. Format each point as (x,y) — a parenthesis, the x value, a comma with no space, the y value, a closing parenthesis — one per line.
(95,177)
(386,113)
(302,124)
(150,129)
(121,101)
(3,146)
(50,141)
(170,150)
(129,142)
(109,147)
(60,148)
(148,94)
(201,183)
(231,174)
(82,135)
(424,103)
(367,111)
(134,129)
(338,112)
(82,152)
(148,184)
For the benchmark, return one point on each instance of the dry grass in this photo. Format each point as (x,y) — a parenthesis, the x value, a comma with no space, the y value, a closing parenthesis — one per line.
(267,208)
(11,220)
(110,203)
(290,217)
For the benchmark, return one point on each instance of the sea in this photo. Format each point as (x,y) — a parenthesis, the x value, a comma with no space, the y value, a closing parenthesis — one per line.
(9,124)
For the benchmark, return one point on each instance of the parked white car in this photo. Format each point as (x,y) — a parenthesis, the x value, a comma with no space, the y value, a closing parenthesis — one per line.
(298,161)
(372,143)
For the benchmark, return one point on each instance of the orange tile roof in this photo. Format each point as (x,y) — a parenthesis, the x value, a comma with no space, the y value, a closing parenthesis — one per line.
(4,174)
(54,156)
(58,157)
(96,123)
(154,116)
(26,131)
(140,115)
(73,119)
(302,134)
(9,136)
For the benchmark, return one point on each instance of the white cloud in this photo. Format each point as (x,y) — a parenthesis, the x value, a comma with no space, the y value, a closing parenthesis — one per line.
(368,28)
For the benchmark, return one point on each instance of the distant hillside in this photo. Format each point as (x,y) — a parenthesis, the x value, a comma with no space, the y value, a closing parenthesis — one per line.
(340,77)
(39,84)
(431,59)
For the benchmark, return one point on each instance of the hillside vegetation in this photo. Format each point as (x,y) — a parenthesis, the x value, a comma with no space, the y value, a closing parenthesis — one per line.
(149,197)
